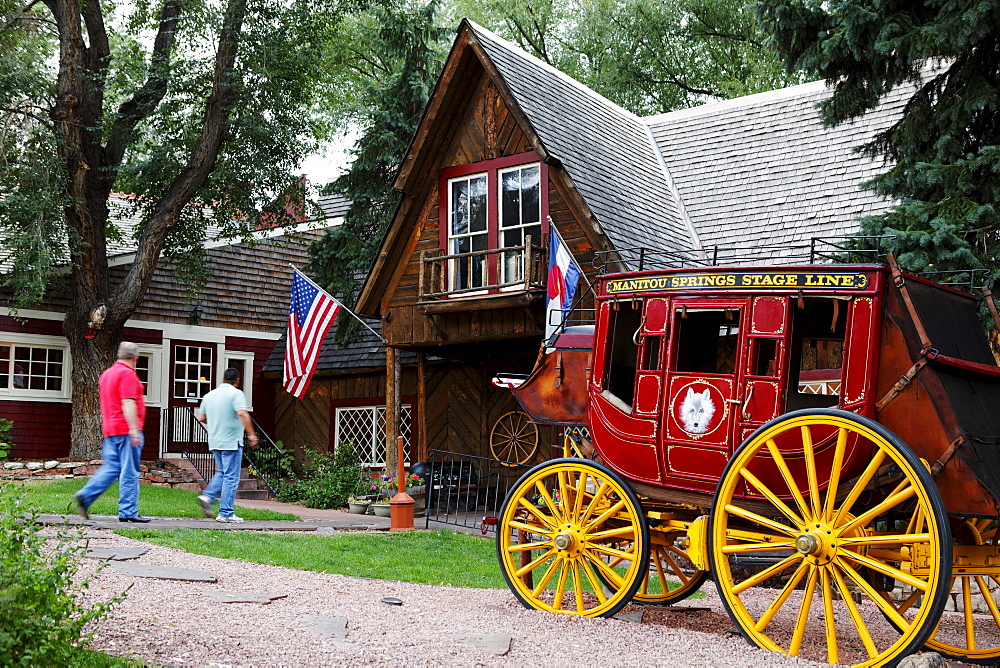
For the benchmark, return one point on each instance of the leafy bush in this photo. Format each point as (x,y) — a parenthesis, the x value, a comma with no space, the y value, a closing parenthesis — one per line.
(44,612)
(331,478)
(5,444)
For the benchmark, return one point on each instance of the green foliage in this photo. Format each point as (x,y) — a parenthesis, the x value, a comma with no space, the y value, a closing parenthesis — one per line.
(5,442)
(649,56)
(942,154)
(44,612)
(330,478)
(407,50)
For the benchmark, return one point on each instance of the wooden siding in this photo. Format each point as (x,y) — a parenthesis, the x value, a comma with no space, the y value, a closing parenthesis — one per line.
(30,326)
(42,429)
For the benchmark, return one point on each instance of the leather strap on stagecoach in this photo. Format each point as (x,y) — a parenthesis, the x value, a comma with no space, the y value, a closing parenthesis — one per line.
(900,283)
(900,384)
(939,463)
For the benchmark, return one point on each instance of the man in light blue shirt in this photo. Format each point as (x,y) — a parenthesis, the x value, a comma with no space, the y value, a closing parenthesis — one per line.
(224,412)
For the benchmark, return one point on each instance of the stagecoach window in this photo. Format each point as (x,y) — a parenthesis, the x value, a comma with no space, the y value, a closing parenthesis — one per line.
(620,379)
(651,353)
(818,349)
(706,340)
(765,356)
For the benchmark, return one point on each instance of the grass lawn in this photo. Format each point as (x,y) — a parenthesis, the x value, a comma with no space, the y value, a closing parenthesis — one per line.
(56,496)
(438,557)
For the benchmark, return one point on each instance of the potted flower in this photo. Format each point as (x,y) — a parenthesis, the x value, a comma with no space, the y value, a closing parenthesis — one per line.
(357,506)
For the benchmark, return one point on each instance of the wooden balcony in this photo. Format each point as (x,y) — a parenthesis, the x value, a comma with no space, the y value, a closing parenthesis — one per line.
(496,278)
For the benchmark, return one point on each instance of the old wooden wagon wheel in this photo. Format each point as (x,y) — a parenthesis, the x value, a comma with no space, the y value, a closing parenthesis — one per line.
(559,526)
(833,535)
(514,438)
(965,635)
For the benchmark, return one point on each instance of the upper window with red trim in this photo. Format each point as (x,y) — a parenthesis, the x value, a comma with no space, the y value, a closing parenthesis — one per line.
(487,207)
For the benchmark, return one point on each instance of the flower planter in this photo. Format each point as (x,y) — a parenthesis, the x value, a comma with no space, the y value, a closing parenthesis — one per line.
(358,508)
(381,509)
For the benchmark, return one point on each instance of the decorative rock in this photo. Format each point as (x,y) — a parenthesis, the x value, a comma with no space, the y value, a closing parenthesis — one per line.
(51,464)
(116,553)
(155,478)
(164,572)
(492,643)
(12,465)
(73,465)
(96,462)
(33,466)
(331,627)
(924,660)
(190,486)
(248,597)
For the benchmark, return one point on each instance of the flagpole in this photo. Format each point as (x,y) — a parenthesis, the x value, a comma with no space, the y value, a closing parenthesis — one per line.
(356,316)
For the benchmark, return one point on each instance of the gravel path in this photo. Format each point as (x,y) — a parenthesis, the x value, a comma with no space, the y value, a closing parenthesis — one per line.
(177,623)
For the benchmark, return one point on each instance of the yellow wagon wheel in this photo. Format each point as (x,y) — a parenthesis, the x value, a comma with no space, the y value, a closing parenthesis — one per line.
(514,438)
(560,526)
(828,537)
(966,635)
(671,577)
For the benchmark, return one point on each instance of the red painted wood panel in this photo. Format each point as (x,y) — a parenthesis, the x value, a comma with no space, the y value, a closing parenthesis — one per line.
(30,326)
(41,429)
(136,335)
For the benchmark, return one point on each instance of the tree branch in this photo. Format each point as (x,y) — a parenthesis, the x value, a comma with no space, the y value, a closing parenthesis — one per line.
(20,17)
(44,121)
(146,99)
(166,213)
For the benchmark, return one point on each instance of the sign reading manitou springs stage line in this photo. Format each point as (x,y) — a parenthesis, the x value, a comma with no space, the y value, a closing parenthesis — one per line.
(757,280)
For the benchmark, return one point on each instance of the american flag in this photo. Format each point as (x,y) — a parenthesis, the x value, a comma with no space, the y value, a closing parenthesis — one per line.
(310,314)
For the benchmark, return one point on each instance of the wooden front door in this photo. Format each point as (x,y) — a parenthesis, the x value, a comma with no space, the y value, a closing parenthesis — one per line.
(192,375)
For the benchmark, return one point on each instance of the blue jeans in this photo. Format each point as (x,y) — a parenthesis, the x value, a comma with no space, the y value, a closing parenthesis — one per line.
(226,479)
(121,463)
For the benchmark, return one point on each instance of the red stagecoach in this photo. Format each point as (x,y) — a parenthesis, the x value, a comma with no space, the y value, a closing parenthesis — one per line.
(820,439)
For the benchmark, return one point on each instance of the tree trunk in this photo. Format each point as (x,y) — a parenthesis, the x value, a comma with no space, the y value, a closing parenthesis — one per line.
(90,358)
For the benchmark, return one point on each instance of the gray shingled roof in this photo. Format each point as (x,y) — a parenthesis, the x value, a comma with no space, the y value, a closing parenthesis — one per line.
(606,150)
(333,206)
(366,351)
(762,169)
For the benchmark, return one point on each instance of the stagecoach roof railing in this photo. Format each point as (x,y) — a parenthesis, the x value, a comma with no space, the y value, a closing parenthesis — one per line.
(818,250)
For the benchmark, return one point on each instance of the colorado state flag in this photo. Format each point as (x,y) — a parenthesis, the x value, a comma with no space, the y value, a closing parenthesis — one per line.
(561,285)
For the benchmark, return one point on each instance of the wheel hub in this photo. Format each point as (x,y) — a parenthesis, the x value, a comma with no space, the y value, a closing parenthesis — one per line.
(818,542)
(567,540)
(807,544)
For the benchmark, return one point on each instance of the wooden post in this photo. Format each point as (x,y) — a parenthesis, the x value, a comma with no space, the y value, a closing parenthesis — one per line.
(421,455)
(391,407)
(401,505)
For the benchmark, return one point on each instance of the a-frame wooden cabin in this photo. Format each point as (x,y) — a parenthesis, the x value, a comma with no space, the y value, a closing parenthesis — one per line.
(509,146)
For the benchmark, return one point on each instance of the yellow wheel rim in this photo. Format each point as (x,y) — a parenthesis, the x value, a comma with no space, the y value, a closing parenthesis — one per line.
(965,634)
(670,577)
(572,539)
(826,539)
(514,438)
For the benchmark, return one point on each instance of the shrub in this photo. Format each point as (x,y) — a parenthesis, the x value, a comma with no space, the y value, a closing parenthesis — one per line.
(5,444)
(44,612)
(331,478)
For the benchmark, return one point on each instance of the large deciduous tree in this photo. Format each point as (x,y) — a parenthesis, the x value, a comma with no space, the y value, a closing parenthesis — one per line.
(180,102)
(943,152)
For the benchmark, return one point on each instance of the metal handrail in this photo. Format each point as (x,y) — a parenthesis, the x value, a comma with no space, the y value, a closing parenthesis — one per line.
(266,459)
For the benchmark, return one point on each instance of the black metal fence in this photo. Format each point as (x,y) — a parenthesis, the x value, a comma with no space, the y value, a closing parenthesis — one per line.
(467,491)
(266,459)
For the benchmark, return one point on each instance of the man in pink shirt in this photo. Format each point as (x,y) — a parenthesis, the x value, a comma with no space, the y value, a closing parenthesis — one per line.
(123,412)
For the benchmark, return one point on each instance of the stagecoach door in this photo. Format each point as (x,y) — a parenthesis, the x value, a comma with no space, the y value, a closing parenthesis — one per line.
(192,369)
(764,365)
(701,407)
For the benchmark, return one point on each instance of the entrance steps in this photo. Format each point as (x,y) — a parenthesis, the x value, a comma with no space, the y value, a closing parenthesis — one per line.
(249,487)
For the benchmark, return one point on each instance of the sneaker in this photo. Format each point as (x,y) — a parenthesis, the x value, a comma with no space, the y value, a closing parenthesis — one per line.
(232,519)
(81,507)
(206,505)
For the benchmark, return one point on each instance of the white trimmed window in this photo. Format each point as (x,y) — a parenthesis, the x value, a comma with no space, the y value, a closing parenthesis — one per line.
(192,371)
(363,428)
(35,370)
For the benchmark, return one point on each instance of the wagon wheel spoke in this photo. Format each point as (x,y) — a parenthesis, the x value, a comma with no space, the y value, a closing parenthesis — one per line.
(514,438)
(810,458)
(787,476)
(829,621)
(772,498)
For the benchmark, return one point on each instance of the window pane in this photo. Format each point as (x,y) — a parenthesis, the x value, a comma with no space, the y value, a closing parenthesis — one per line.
(38,354)
(510,199)
(535,231)
(460,207)
(480,242)
(460,245)
(706,341)
(477,204)
(36,383)
(180,353)
(530,196)
(511,238)
(22,354)
(206,355)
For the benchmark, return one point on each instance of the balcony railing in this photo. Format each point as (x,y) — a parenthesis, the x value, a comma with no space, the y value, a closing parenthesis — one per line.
(482,272)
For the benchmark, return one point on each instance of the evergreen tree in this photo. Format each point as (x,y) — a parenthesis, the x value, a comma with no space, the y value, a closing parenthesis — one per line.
(408,45)
(942,153)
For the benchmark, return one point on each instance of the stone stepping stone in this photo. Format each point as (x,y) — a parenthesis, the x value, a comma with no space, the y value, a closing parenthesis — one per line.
(115,553)
(488,642)
(630,616)
(163,572)
(328,627)
(244,597)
